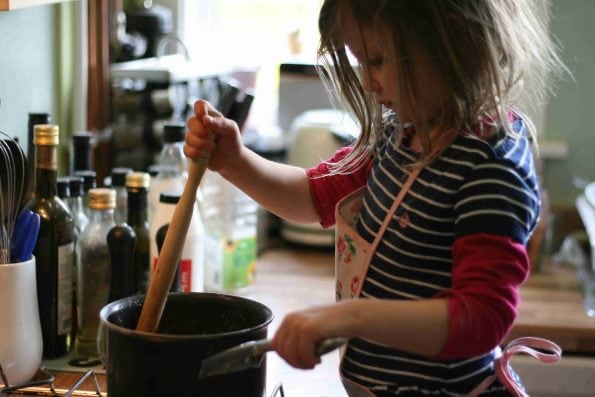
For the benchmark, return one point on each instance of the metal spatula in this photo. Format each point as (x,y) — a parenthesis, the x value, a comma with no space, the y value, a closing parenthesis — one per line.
(250,355)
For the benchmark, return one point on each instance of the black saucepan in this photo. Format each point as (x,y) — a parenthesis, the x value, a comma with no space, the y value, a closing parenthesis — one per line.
(193,327)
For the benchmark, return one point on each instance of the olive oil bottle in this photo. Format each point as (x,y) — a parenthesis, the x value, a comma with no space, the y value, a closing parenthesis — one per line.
(54,249)
(137,186)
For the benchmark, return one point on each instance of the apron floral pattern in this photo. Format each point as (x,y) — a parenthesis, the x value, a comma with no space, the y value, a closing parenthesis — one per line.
(350,248)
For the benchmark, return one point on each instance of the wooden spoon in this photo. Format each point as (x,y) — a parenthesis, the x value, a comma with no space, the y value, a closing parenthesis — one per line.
(172,246)
(171,250)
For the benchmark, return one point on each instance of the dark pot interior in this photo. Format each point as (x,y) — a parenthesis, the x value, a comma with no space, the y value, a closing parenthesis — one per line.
(193,326)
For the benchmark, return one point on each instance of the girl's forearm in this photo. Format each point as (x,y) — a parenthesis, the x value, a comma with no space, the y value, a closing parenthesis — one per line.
(419,327)
(280,188)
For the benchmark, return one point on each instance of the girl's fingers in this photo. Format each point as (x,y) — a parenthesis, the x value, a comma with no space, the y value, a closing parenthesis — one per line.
(201,108)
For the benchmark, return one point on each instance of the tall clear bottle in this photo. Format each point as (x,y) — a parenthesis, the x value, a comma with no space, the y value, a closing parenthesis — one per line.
(54,249)
(172,167)
(94,269)
(230,221)
(137,186)
(118,183)
(75,202)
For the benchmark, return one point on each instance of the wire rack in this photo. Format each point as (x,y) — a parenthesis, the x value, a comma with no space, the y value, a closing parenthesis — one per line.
(43,385)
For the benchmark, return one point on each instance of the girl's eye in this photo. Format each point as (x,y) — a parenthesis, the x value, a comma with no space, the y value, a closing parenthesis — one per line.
(375,62)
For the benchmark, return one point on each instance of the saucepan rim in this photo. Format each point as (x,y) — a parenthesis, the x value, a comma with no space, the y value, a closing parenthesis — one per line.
(139,300)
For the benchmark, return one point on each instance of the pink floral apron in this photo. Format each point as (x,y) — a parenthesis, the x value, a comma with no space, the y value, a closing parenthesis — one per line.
(353,256)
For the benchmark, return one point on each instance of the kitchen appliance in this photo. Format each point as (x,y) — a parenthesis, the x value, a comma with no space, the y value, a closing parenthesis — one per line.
(314,136)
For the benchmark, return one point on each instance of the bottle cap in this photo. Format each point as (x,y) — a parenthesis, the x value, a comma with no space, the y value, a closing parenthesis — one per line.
(138,180)
(76,186)
(102,198)
(174,132)
(170,197)
(39,118)
(82,138)
(89,179)
(64,187)
(46,135)
(154,169)
(118,175)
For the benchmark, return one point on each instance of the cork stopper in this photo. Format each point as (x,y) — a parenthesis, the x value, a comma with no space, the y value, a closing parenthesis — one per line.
(46,135)
(138,180)
(102,199)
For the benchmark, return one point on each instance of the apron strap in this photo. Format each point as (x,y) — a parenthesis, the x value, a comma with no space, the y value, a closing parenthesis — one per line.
(548,353)
(387,219)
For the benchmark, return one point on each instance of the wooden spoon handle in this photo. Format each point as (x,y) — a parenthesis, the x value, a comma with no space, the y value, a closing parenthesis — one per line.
(172,249)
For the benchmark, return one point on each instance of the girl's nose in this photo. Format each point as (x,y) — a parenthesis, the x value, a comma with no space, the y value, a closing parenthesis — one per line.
(368,82)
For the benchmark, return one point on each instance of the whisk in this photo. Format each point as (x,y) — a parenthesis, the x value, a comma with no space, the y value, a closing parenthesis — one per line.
(12,188)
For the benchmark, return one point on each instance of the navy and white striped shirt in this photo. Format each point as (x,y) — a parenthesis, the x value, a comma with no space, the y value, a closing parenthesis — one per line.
(476,186)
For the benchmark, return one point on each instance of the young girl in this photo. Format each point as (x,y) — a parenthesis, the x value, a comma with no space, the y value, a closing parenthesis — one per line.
(433,204)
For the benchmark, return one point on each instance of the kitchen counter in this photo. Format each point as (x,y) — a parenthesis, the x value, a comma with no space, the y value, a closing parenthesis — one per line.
(291,278)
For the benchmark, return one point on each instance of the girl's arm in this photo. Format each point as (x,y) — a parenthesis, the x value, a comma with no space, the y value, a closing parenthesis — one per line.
(419,327)
(281,188)
(469,319)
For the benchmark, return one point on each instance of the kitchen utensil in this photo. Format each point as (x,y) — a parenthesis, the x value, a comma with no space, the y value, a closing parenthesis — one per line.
(24,236)
(250,355)
(13,175)
(171,252)
(121,240)
(194,326)
(20,328)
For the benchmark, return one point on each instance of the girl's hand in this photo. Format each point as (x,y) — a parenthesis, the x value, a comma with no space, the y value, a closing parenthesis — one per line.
(212,135)
(300,333)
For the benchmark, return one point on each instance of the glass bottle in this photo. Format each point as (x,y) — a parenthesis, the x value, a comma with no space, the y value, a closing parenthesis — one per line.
(34,119)
(54,248)
(89,182)
(137,186)
(172,168)
(230,222)
(64,194)
(94,269)
(76,203)
(118,183)
(63,186)
(82,151)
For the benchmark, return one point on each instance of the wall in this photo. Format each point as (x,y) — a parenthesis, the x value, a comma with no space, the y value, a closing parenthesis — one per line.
(28,72)
(570,113)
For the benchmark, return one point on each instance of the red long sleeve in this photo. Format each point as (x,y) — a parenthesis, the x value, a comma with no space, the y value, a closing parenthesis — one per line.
(482,302)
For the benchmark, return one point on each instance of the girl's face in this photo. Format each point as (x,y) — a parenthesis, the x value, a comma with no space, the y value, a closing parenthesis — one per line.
(378,64)
(380,71)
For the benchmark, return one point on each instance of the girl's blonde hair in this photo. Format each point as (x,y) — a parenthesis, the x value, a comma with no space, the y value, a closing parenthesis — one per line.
(485,53)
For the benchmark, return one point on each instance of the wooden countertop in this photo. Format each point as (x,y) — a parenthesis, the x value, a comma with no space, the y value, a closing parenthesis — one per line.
(552,307)
(290,278)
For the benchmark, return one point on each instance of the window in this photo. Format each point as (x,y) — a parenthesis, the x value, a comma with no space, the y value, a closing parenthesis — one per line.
(253,36)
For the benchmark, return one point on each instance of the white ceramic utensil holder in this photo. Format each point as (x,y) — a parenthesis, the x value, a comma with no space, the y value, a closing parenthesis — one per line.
(21,343)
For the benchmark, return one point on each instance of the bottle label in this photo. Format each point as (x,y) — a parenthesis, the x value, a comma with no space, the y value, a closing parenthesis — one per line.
(230,263)
(184,273)
(65,280)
